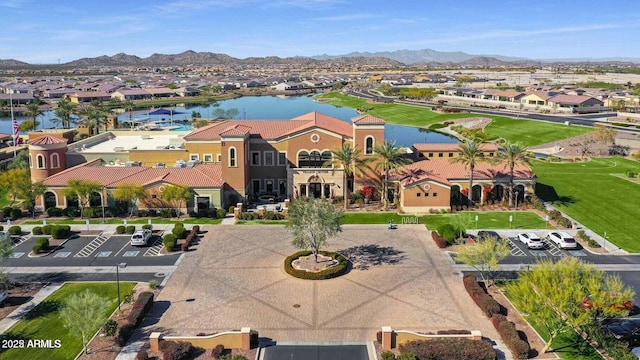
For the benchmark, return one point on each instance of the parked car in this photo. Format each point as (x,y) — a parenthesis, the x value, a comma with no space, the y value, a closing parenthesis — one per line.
(563,240)
(141,237)
(486,234)
(532,240)
(4,295)
(626,330)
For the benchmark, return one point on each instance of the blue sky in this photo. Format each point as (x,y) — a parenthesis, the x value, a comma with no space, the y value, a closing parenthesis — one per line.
(48,31)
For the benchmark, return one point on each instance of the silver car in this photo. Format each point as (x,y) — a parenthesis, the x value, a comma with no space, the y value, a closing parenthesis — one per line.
(563,240)
(532,240)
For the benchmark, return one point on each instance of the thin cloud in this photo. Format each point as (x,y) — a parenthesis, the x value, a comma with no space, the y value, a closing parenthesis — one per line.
(13,3)
(348,17)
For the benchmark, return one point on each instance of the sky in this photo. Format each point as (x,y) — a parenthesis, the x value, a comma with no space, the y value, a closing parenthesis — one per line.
(52,31)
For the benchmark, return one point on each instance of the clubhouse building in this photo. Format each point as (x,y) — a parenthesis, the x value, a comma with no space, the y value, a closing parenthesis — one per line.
(235,161)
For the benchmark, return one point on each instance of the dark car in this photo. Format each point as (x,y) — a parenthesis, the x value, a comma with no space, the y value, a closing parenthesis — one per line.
(485,234)
(626,331)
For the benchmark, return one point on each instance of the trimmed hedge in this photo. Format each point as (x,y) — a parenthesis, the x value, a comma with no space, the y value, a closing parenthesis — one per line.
(130,229)
(439,240)
(120,229)
(37,230)
(46,229)
(335,271)
(140,308)
(15,230)
(54,212)
(42,244)
(450,349)
(124,333)
(181,350)
(60,231)
(179,231)
(507,330)
(147,227)
(484,301)
(170,241)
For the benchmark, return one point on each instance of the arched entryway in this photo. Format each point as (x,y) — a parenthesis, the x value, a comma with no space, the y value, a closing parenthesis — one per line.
(476,193)
(497,193)
(456,196)
(72,201)
(50,200)
(519,192)
(95,199)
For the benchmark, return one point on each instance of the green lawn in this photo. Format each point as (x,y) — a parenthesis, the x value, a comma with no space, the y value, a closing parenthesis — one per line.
(261,222)
(526,132)
(486,220)
(186,220)
(595,195)
(44,322)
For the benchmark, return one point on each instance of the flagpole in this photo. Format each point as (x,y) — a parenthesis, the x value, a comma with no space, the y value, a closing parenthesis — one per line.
(15,128)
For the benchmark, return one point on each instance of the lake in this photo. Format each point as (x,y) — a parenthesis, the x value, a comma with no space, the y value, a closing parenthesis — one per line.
(269,107)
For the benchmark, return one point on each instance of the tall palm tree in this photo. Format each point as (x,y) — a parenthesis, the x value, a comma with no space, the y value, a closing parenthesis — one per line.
(388,157)
(94,112)
(64,113)
(129,105)
(512,155)
(470,153)
(351,161)
(33,111)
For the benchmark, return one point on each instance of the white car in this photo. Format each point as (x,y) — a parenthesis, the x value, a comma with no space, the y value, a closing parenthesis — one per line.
(141,237)
(563,240)
(532,240)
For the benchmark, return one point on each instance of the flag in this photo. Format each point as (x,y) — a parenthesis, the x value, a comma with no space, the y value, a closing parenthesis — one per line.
(16,132)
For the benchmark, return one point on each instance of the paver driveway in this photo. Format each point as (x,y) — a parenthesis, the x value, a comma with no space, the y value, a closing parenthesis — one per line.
(236,278)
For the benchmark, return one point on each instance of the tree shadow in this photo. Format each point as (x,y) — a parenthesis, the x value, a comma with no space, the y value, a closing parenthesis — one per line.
(546,192)
(43,309)
(364,256)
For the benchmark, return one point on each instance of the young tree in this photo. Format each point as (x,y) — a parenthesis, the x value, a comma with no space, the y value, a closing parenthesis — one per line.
(351,161)
(605,135)
(83,189)
(484,256)
(83,315)
(13,180)
(21,161)
(131,194)
(512,155)
(312,223)
(568,294)
(175,195)
(29,192)
(388,157)
(64,113)
(470,154)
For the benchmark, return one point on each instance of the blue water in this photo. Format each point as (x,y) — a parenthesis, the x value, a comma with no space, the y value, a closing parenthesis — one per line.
(266,107)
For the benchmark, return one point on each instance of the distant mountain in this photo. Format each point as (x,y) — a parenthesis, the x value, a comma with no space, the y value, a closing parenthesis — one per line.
(11,63)
(420,56)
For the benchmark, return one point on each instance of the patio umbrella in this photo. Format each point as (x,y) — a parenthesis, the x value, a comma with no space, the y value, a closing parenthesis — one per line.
(162,111)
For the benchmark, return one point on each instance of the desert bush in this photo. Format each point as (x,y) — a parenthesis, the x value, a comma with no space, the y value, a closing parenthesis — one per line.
(124,333)
(450,349)
(15,230)
(37,230)
(42,244)
(130,229)
(170,241)
(60,231)
(120,229)
(217,351)
(110,327)
(450,232)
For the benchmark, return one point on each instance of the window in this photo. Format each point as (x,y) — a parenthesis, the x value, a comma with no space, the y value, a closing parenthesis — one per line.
(490,154)
(430,154)
(154,196)
(303,190)
(268,158)
(40,160)
(282,158)
(194,157)
(326,158)
(256,186)
(268,184)
(282,187)
(450,154)
(418,194)
(55,161)
(420,155)
(232,157)
(303,158)
(208,158)
(440,154)
(255,158)
(426,194)
(369,144)
(218,157)
(313,159)
(434,194)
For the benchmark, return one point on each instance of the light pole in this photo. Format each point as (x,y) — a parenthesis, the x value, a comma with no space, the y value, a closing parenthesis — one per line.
(515,210)
(102,203)
(118,266)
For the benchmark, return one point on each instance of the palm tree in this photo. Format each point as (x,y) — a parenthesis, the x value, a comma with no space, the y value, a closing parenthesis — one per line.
(95,113)
(64,113)
(470,154)
(33,112)
(512,155)
(388,157)
(129,105)
(351,161)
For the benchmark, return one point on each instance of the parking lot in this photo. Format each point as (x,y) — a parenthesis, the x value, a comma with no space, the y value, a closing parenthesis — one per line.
(89,248)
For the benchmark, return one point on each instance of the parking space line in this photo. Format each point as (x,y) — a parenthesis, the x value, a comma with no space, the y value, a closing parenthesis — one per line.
(122,248)
(62,254)
(515,250)
(155,248)
(15,255)
(132,253)
(20,240)
(92,246)
(554,250)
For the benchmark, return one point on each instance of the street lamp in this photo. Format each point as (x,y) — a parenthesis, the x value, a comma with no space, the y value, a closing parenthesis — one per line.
(515,210)
(118,266)
(102,203)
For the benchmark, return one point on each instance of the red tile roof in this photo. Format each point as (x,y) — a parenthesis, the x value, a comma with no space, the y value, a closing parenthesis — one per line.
(200,176)
(570,99)
(273,129)
(451,147)
(367,120)
(236,129)
(445,171)
(47,140)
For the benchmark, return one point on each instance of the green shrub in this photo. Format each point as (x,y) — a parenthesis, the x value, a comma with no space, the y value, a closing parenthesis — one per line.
(631,174)
(1,228)
(37,230)
(166,213)
(335,271)
(153,284)
(42,244)
(564,222)
(507,330)
(72,211)
(124,333)
(46,229)
(60,231)
(120,229)
(179,231)
(450,233)
(147,227)
(6,212)
(16,213)
(110,327)
(232,209)
(88,212)
(170,241)
(406,356)
(143,304)
(388,355)
(484,301)
(54,212)
(15,230)
(450,349)
(130,229)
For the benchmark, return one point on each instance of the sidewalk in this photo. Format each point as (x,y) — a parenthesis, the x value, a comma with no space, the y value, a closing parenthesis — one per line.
(21,311)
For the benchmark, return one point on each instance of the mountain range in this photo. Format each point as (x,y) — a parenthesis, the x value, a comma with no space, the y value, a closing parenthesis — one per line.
(385,58)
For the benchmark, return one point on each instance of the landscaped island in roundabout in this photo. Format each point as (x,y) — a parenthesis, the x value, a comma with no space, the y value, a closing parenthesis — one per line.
(303,265)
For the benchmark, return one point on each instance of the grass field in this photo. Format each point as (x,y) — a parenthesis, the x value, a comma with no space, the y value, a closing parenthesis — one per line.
(186,220)
(44,322)
(594,194)
(526,132)
(486,220)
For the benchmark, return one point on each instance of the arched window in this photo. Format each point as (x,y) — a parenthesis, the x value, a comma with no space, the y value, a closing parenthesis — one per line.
(326,158)
(40,161)
(232,157)
(369,145)
(55,161)
(303,159)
